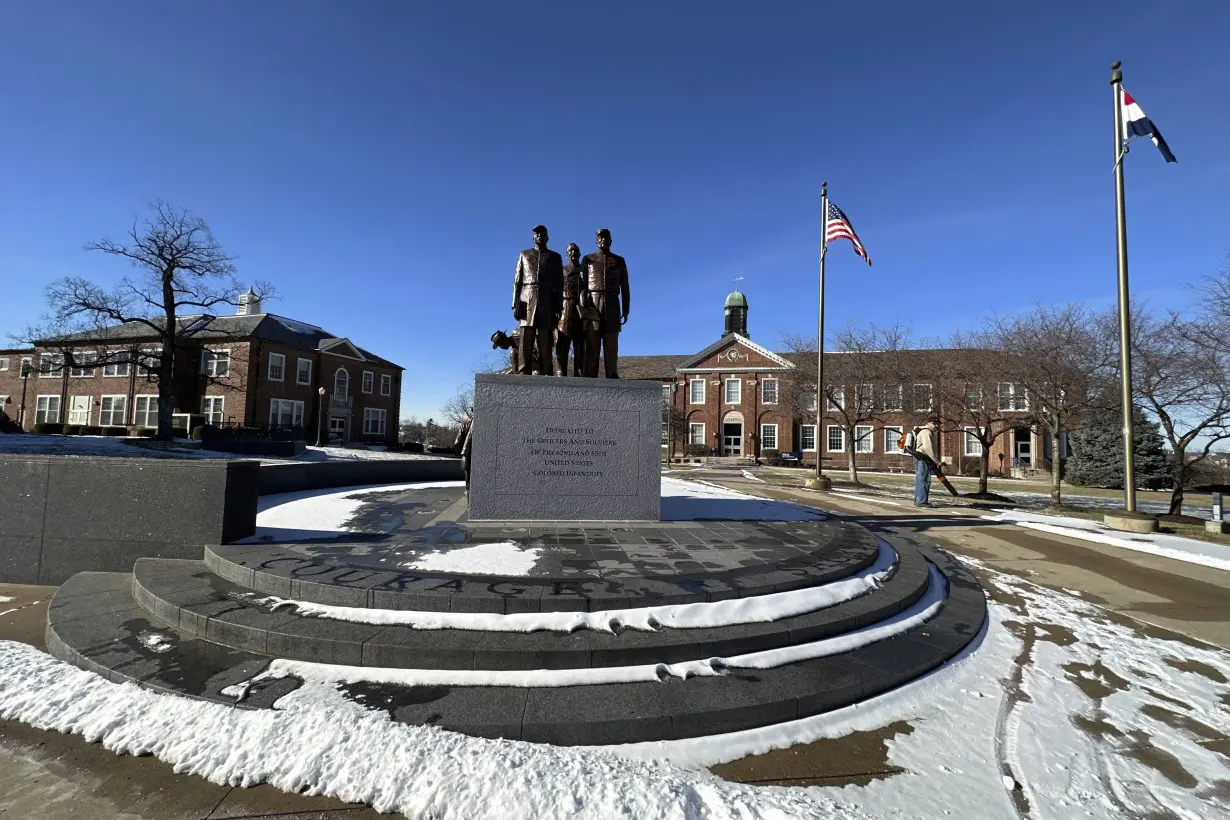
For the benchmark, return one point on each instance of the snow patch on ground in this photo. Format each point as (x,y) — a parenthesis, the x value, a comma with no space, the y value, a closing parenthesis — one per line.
(495,558)
(311,514)
(1188,550)
(4,599)
(750,476)
(699,501)
(756,609)
(155,641)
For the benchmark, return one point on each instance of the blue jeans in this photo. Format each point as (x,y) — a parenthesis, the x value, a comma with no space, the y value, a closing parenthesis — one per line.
(922,481)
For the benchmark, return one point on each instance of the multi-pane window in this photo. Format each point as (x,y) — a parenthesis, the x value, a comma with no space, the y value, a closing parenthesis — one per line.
(373,421)
(369,380)
(4,363)
(666,414)
(145,411)
(116,368)
(47,410)
(277,367)
(768,391)
(303,372)
(836,439)
(26,362)
(341,383)
(216,363)
(1013,397)
(386,385)
(808,400)
(734,391)
(285,413)
(973,447)
(211,407)
(892,398)
(922,398)
(973,398)
(696,433)
(835,398)
(148,362)
(83,365)
(864,440)
(892,437)
(807,437)
(768,436)
(50,365)
(113,411)
(696,391)
(863,398)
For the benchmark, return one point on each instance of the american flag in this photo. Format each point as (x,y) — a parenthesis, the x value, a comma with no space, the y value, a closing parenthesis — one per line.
(838,227)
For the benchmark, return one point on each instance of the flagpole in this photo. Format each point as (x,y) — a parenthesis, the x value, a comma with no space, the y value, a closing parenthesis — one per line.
(1125,317)
(820,481)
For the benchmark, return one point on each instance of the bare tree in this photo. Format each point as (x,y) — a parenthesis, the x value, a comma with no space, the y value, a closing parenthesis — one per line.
(865,362)
(1054,355)
(179,265)
(971,373)
(1179,375)
(460,408)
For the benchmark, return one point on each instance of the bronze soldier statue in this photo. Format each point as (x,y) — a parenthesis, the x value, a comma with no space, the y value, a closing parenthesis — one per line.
(537,295)
(512,343)
(570,332)
(605,305)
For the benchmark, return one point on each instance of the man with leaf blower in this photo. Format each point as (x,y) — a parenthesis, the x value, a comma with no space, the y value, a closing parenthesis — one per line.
(923,444)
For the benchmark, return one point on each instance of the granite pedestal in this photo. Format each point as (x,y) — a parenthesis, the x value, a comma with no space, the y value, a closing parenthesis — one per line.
(565,449)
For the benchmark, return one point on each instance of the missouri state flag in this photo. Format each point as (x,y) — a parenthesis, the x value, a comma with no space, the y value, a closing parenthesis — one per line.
(1137,124)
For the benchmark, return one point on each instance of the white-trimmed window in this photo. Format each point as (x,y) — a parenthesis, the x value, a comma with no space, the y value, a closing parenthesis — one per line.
(4,363)
(148,361)
(864,439)
(117,369)
(923,401)
(1012,397)
(892,436)
(973,447)
(768,436)
(51,366)
(696,433)
(277,367)
(47,410)
(696,391)
(768,391)
(807,438)
(836,441)
(892,398)
(303,371)
(145,411)
(835,398)
(79,409)
(373,421)
(285,413)
(216,363)
(386,384)
(369,381)
(83,365)
(863,398)
(666,414)
(113,411)
(734,391)
(973,398)
(25,361)
(212,408)
(3,401)
(808,400)
(341,383)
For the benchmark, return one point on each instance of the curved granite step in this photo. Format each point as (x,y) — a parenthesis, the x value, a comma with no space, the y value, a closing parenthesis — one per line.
(187,597)
(803,554)
(90,623)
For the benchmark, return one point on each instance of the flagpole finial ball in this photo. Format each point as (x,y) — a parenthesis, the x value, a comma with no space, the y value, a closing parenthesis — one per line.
(1115,65)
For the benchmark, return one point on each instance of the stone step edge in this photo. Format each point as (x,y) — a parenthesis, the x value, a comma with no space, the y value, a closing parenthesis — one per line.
(254,629)
(625,713)
(505,595)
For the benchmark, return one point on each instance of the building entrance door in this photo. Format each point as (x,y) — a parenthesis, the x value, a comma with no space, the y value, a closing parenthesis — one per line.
(337,428)
(79,410)
(1023,450)
(732,439)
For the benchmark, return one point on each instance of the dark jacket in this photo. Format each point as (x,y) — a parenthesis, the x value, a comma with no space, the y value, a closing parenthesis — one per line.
(538,287)
(606,285)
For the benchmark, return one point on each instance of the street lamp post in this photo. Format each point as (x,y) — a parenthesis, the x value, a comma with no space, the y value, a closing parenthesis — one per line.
(320,418)
(26,367)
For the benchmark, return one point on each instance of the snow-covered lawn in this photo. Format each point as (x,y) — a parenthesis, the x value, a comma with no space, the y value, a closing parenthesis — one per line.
(1188,550)
(125,447)
(1061,707)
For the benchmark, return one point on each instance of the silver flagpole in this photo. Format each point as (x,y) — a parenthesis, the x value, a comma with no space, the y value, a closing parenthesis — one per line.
(1125,315)
(821,482)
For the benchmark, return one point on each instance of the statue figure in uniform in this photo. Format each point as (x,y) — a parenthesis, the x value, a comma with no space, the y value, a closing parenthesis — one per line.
(570,332)
(605,305)
(512,343)
(537,295)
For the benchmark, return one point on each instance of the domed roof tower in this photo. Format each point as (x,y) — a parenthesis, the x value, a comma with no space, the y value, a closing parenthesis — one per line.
(736,314)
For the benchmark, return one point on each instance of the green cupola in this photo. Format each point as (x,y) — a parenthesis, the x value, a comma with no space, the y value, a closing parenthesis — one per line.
(736,314)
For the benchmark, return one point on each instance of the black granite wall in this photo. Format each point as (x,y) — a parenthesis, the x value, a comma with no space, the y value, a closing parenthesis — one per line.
(289,478)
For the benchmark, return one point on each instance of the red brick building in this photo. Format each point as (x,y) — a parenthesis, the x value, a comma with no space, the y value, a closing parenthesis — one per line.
(736,399)
(254,368)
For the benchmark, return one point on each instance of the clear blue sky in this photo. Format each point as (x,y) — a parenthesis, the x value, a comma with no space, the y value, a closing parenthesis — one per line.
(383,162)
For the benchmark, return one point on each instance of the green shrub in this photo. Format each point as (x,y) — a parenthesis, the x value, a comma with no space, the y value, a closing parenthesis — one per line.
(49,428)
(72,429)
(91,430)
(770,456)
(115,431)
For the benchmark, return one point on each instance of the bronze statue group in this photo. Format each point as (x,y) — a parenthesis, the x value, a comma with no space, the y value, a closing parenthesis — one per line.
(567,311)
